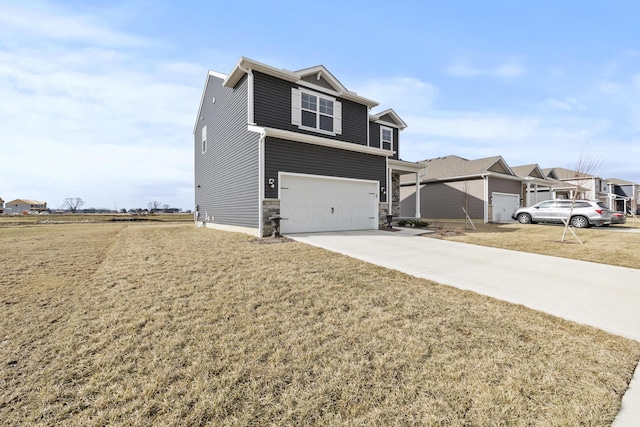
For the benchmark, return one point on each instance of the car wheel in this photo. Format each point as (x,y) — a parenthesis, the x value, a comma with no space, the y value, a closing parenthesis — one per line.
(579,222)
(524,218)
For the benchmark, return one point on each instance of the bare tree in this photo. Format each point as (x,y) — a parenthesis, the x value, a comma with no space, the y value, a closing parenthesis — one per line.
(584,170)
(72,203)
(154,206)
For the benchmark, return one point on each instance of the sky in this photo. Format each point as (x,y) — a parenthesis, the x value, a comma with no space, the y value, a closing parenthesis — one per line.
(98,99)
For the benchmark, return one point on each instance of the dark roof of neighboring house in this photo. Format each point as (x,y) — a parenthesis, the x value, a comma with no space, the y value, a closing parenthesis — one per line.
(454,166)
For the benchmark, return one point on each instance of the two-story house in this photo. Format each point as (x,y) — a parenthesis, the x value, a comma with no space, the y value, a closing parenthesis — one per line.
(298,145)
(623,195)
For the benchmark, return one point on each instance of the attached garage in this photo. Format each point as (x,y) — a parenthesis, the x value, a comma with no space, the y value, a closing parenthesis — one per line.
(503,206)
(313,203)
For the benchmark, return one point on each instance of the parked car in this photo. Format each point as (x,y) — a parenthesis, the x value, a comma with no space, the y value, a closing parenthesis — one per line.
(585,213)
(618,217)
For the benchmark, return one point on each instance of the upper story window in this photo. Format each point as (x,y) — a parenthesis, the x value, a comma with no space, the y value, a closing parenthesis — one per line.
(386,138)
(204,139)
(316,112)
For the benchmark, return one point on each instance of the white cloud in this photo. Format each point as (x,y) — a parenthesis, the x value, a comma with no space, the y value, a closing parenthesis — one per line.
(507,70)
(107,124)
(567,104)
(403,94)
(44,20)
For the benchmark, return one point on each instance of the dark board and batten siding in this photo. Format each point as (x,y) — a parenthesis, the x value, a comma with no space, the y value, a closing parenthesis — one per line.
(374,138)
(227,172)
(272,109)
(295,157)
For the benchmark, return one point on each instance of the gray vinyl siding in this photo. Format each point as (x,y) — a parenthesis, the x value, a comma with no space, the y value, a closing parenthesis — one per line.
(444,200)
(227,172)
(374,138)
(295,157)
(272,108)
(504,186)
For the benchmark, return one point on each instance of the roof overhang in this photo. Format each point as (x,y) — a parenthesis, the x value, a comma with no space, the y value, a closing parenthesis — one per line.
(397,121)
(245,65)
(403,167)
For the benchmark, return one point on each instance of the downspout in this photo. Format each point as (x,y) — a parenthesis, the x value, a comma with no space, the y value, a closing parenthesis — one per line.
(261,182)
(418,213)
(250,117)
(485,180)
(388,187)
(251,121)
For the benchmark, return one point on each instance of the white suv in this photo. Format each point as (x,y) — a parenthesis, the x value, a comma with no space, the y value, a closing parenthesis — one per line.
(585,213)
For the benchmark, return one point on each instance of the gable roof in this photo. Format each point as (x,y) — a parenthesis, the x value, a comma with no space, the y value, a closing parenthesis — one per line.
(389,118)
(550,173)
(457,167)
(532,171)
(568,174)
(325,80)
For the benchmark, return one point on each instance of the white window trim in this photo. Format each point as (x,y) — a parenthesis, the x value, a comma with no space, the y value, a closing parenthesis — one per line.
(382,129)
(204,139)
(296,111)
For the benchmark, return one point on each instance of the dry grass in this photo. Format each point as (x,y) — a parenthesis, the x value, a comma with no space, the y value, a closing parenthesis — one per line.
(10,220)
(167,324)
(606,245)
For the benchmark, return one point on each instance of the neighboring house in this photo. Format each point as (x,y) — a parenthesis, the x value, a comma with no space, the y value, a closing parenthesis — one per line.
(589,187)
(1,205)
(542,184)
(486,188)
(623,195)
(20,206)
(298,145)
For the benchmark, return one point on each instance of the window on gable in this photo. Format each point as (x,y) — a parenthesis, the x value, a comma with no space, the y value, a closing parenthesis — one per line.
(204,139)
(386,138)
(317,112)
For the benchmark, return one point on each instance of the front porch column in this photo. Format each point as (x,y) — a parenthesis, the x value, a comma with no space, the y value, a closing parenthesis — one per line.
(418,215)
(528,200)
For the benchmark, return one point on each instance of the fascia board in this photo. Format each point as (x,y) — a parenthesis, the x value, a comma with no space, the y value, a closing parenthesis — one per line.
(405,166)
(317,140)
(477,175)
(399,123)
(245,64)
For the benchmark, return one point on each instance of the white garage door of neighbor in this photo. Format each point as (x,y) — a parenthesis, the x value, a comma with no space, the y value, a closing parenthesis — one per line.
(310,203)
(503,206)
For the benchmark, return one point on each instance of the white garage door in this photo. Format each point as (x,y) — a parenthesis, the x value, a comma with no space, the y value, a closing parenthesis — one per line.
(311,203)
(503,206)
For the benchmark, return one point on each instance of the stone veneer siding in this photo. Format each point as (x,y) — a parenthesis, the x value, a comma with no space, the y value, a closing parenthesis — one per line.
(383,208)
(395,193)
(270,207)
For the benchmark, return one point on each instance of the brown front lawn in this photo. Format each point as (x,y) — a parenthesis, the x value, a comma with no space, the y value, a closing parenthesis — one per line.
(606,245)
(168,324)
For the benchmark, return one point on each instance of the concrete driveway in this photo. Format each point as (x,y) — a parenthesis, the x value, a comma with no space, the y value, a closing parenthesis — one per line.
(599,295)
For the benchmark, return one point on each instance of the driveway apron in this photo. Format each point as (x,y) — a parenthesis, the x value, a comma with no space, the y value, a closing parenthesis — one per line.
(598,295)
